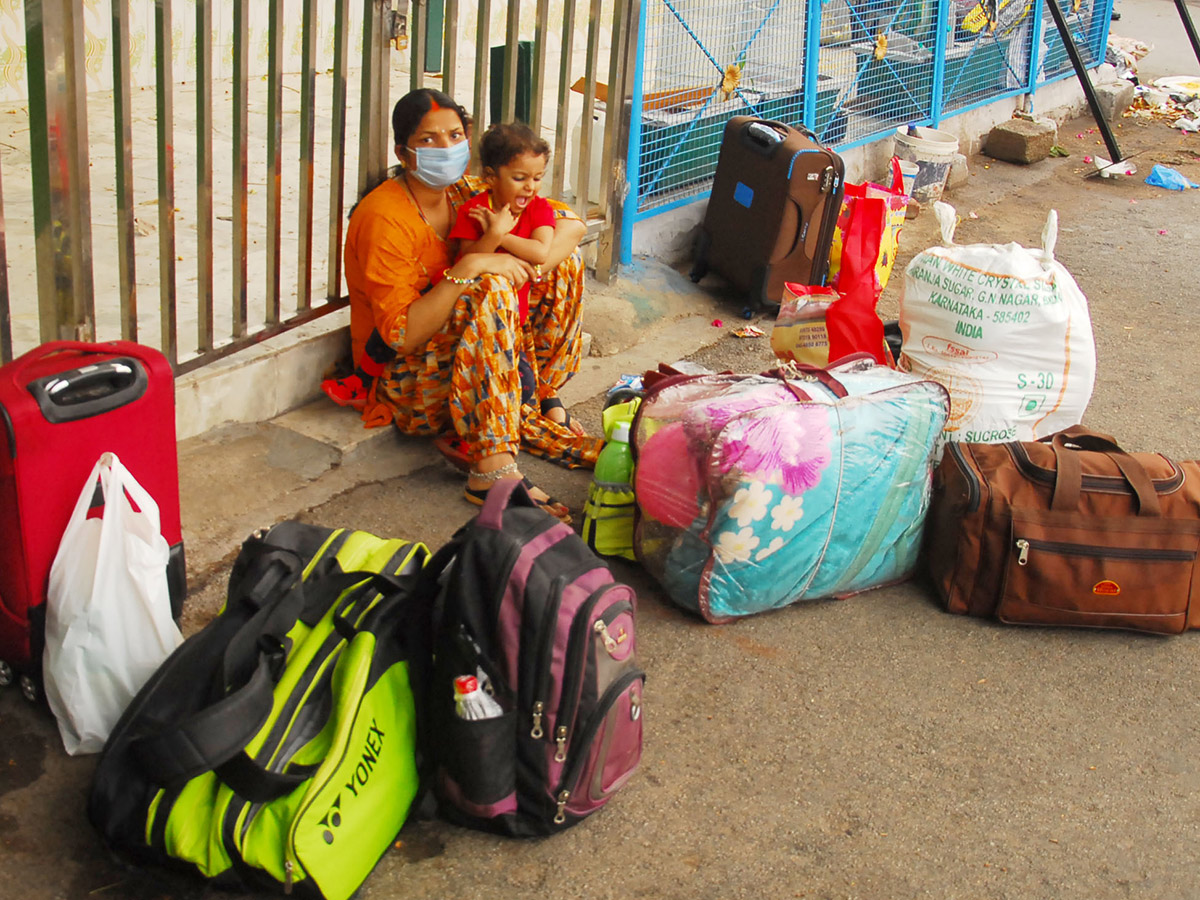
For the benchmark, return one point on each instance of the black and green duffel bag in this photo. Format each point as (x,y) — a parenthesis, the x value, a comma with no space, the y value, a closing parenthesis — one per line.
(277,746)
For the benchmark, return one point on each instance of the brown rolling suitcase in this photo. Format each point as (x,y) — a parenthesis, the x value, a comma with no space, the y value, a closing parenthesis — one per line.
(1070,530)
(775,201)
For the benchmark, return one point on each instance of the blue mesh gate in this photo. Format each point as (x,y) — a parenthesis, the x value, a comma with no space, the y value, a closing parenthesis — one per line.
(851,71)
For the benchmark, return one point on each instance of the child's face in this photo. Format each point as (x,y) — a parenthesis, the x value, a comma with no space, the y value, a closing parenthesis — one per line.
(516,182)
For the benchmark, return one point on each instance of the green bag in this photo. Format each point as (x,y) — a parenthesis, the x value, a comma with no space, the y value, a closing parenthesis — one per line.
(277,747)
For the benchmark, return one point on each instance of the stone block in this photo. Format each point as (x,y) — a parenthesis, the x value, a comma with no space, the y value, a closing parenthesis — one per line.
(1115,97)
(1021,141)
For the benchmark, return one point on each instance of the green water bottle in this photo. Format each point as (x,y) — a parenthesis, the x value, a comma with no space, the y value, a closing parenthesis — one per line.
(615,463)
(608,513)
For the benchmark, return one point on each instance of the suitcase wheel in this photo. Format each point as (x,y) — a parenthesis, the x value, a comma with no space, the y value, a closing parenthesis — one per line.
(31,688)
(7,675)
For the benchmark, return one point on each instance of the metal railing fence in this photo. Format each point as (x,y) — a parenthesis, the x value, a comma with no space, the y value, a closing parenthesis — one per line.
(850,71)
(204,163)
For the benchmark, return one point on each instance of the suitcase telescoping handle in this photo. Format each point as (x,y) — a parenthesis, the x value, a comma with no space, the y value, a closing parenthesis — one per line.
(1069,479)
(764,135)
(88,390)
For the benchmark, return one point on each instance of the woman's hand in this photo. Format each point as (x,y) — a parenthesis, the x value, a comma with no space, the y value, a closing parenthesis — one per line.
(503,264)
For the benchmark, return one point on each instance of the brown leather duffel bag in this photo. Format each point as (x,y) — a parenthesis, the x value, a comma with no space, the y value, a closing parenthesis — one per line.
(1070,530)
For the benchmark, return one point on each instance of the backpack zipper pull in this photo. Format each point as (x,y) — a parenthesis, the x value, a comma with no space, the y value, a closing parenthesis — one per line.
(609,644)
(1023,546)
(287,876)
(560,738)
(536,733)
(561,816)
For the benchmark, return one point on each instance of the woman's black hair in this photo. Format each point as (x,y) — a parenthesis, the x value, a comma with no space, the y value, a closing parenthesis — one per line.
(502,143)
(414,106)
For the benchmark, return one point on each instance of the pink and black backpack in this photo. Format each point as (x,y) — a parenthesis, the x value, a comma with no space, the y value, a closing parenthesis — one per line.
(522,601)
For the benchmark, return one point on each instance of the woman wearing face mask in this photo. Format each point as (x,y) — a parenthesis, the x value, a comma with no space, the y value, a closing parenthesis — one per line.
(444,338)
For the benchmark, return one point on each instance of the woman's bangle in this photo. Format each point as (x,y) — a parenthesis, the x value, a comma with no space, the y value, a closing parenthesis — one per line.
(453,280)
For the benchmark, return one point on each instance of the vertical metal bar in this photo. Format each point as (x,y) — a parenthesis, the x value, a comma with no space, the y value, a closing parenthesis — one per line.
(481,112)
(562,122)
(241,86)
(166,180)
(58,136)
(6,345)
(308,102)
(1035,51)
(937,93)
(450,49)
(337,161)
(512,58)
(582,187)
(372,159)
(616,131)
(204,176)
(123,128)
(537,74)
(812,52)
(633,165)
(418,41)
(274,156)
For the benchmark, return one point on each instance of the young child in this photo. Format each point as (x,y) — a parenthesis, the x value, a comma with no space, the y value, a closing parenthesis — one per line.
(510,217)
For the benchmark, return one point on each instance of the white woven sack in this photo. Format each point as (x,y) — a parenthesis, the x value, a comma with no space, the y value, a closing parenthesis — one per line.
(1005,329)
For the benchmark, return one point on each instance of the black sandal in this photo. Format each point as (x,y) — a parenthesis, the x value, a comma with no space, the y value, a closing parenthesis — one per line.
(560,511)
(554,403)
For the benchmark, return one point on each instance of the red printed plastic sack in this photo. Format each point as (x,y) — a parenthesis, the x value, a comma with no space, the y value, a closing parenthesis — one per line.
(860,264)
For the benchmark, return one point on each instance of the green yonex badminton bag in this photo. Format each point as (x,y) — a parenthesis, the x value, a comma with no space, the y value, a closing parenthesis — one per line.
(277,747)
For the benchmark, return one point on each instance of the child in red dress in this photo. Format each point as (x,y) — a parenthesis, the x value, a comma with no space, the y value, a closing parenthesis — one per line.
(509,217)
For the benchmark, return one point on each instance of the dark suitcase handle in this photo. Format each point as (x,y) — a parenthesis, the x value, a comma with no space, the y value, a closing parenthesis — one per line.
(1068,482)
(89,390)
(755,135)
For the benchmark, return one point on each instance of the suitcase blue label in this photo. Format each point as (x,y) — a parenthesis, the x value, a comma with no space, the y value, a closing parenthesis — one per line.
(743,194)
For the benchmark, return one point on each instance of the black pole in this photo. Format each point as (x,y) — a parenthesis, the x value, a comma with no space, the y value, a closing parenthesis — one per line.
(1189,26)
(1085,82)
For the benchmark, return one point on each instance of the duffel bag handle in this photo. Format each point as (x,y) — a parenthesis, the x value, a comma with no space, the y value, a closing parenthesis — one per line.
(1068,483)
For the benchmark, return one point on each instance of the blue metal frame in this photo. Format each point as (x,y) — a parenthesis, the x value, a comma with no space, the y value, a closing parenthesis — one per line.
(932,50)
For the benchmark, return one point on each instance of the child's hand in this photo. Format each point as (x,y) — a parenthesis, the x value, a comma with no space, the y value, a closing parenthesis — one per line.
(502,221)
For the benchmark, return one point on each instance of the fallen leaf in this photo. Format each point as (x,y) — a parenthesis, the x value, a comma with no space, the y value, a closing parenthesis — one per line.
(717,323)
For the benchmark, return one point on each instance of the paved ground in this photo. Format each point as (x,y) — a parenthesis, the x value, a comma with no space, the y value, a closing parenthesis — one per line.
(873,748)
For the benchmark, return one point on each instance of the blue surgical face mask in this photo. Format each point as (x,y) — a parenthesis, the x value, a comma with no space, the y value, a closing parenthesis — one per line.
(440,167)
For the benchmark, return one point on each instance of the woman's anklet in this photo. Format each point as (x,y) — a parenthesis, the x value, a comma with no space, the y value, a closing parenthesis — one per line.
(495,474)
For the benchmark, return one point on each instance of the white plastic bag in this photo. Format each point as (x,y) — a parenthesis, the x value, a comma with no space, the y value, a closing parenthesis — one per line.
(108,608)
(1005,329)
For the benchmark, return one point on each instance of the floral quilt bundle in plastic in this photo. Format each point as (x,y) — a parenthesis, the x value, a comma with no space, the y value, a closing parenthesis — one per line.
(755,491)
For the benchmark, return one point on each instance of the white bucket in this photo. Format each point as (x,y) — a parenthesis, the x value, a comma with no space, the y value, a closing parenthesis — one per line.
(908,171)
(933,151)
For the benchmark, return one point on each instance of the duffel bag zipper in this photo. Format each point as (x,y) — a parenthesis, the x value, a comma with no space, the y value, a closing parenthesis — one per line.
(1024,545)
(973,491)
(576,661)
(588,734)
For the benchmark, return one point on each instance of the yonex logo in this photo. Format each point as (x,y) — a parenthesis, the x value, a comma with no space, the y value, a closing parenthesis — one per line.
(332,820)
(359,776)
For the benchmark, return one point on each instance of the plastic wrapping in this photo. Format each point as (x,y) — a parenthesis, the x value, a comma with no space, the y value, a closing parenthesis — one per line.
(756,491)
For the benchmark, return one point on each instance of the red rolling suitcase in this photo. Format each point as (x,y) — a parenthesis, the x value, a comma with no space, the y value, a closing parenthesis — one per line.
(775,200)
(62,405)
